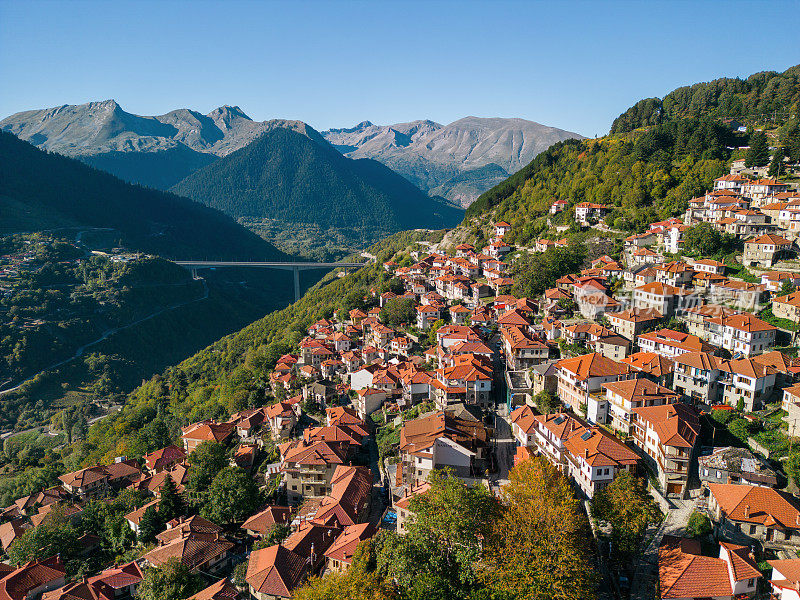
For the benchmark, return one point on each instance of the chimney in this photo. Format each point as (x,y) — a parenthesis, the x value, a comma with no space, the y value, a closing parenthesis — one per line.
(586,453)
(746,511)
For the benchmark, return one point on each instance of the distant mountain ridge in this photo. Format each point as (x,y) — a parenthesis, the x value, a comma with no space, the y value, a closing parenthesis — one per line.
(299,178)
(450,160)
(157,151)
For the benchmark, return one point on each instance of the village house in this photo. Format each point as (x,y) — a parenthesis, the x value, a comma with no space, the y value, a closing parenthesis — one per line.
(205,431)
(340,553)
(403,506)
(580,382)
(664,298)
(685,573)
(787,307)
(671,343)
(595,458)
(765,250)
(785,582)
(750,513)
(735,465)
(440,440)
(655,367)
(668,435)
(791,404)
(32,579)
(742,334)
(588,212)
(696,375)
(743,295)
(523,425)
(630,323)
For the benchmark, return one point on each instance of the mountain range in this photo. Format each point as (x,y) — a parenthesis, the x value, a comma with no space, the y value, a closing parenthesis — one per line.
(458,161)
(293,175)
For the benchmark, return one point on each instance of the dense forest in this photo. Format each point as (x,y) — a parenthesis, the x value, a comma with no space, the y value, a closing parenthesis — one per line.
(645,176)
(760,99)
(136,315)
(288,177)
(41,190)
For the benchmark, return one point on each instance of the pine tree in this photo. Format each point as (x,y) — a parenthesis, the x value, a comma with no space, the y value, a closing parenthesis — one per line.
(149,525)
(758,154)
(776,166)
(171,504)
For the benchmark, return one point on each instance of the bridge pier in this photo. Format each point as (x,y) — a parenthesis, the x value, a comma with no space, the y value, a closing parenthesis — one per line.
(296,274)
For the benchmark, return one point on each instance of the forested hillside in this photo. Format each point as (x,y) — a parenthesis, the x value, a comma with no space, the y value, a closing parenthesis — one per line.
(295,178)
(232,373)
(658,156)
(41,190)
(78,328)
(646,176)
(760,99)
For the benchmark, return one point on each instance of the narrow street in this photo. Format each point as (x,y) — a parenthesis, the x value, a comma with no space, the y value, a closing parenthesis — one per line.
(643,584)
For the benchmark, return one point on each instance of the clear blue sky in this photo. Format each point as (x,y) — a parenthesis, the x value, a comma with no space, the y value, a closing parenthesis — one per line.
(574,65)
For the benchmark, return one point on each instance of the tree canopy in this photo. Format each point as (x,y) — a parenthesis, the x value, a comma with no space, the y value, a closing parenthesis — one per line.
(233,496)
(540,547)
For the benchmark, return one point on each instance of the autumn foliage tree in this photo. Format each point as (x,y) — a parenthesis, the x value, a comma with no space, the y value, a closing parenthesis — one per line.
(360,582)
(540,546)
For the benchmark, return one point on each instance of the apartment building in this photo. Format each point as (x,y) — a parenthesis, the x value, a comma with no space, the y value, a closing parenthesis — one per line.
(308,468)
(580,381)
(668,436)
(624,397)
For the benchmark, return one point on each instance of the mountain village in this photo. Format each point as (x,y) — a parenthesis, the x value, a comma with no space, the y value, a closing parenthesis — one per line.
(611,371)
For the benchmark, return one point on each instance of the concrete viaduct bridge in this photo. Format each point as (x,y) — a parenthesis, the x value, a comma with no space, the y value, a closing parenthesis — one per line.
(295,267)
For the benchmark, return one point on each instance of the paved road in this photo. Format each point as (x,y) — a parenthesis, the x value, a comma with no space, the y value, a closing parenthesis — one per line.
(643,583)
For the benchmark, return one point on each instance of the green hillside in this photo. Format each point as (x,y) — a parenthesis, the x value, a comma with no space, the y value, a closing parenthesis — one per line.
(159,170)
(292,178)
(761,99)
(41,190)
(658,156)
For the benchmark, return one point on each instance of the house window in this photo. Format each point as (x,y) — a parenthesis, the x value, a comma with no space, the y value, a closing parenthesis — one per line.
(752,529)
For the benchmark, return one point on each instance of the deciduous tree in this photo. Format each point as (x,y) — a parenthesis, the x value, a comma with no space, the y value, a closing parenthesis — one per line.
(206,461)
(540,547)
(232,496)
(173,581)
(626,505)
